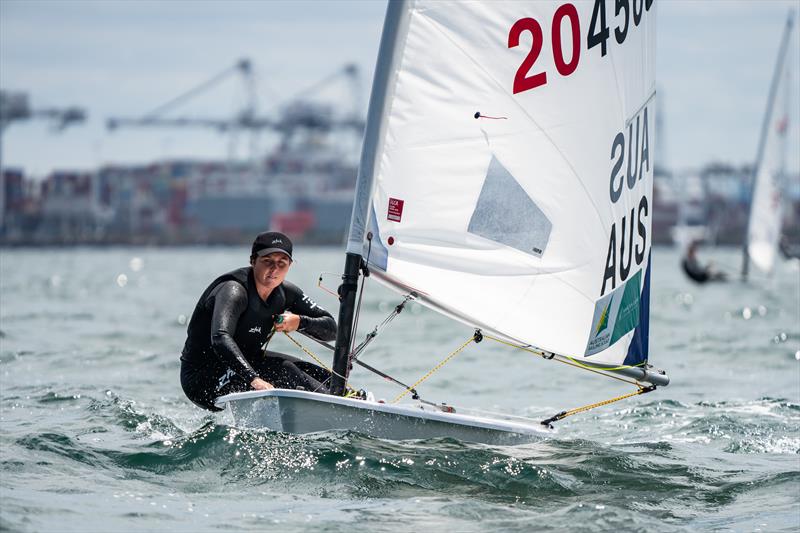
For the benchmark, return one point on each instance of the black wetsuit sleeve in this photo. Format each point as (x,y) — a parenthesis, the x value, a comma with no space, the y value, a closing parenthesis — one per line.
(695,271)
(314,320)
(230,301)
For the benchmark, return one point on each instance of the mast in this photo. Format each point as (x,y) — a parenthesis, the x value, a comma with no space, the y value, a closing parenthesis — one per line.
(395,25)
(776,77)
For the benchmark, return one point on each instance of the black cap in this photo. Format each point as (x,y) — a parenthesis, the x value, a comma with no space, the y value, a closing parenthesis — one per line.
(270,242)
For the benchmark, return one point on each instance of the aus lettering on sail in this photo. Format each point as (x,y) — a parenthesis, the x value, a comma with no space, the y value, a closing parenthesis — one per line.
(629,185)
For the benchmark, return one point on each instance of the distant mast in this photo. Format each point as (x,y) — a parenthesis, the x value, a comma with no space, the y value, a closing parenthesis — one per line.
(764,183)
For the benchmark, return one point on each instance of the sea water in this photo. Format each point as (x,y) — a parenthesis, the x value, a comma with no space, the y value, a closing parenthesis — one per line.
(96,435)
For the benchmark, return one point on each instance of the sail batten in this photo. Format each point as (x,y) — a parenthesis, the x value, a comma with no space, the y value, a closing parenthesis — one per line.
(510,173)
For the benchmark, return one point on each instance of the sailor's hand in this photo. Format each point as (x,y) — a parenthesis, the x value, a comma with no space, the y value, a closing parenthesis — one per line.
(260,384)
(290,322)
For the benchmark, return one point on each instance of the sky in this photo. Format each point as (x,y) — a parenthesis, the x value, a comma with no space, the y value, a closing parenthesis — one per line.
(126,58)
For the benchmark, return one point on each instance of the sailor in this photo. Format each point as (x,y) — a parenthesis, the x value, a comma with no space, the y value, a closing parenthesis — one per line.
(789,250)
(696,271)
(235,318)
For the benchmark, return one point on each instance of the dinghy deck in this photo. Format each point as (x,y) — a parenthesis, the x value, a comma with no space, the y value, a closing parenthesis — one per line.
(293,411)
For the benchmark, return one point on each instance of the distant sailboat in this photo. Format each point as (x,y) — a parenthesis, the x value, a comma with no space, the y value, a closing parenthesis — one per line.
(687,234)
(769,175)
(506,182)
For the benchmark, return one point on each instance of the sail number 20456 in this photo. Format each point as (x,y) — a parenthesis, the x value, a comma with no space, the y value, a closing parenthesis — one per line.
(625,12)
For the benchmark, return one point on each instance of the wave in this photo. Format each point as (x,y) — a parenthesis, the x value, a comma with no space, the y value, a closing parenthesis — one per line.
(656,461)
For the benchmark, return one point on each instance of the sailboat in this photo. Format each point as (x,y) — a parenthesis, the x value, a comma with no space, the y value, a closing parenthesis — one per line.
(506,182)
(769,174)
(691,225)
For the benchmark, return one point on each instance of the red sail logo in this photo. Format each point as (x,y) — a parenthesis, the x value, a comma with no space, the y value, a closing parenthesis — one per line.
(395,210)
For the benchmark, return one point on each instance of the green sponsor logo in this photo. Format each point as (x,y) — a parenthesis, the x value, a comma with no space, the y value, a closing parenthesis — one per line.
(628,313)
(603,322)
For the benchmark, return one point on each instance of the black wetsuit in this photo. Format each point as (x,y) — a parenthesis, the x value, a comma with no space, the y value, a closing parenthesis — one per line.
(694,271)
(789,251)
(700,274)
(230,324)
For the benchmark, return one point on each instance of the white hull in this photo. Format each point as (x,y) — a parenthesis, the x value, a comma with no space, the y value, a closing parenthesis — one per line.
(293,411)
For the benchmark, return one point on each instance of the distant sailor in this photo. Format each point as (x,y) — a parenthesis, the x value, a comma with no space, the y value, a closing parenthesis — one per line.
(696,271)
(234,319)
(789,250)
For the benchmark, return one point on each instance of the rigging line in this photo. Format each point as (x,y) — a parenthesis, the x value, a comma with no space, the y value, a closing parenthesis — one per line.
(609,369)
(387,377)
(374,333)
(322,343)
(360,296)
(528,348)
(326,289)
(475,338)
(314,357)
(564,414)
(573,362)
(398,308)
(599,372)
(365,274)
(361,364)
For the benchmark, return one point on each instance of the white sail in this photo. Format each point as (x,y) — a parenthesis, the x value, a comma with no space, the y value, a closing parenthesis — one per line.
(766,206)
(507,171)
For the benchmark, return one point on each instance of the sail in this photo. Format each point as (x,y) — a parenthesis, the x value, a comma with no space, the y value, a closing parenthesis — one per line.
(766,205)
(507,170)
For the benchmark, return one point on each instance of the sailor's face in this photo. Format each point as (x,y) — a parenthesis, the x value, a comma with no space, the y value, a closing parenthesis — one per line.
(270,270)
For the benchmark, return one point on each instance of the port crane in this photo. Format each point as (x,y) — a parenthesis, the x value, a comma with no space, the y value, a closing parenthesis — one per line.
(296,114)
(15,107)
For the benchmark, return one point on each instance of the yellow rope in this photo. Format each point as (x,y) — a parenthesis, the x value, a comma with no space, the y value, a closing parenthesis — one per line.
(641,390)
(349,391)
(314,357)
(434,369)
(575,363)
(572,363)
(565,414)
